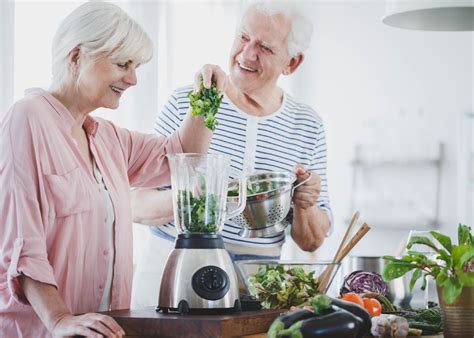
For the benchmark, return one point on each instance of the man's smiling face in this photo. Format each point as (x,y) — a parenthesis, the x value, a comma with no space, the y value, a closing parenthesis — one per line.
(260,52)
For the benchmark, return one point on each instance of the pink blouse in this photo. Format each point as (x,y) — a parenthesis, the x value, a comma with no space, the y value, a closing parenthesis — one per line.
(52,215)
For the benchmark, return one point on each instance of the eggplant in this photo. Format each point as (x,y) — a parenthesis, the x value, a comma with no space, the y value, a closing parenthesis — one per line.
(288,319)
(356,310)
(337,324)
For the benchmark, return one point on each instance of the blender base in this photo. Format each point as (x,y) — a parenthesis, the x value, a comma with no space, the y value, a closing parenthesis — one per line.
(199,277)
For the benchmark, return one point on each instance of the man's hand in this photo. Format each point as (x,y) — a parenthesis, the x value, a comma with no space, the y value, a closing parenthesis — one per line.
(306,195)
(310,224)
(87,325)
(210,73)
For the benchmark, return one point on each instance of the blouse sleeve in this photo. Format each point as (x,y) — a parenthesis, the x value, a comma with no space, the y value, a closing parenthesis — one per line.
(23,248)
(146,156)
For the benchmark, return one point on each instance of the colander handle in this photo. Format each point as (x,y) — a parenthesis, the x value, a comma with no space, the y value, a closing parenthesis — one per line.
(242,199)
(300,184)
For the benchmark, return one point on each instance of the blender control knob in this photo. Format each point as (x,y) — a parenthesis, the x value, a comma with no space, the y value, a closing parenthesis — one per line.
(210,282)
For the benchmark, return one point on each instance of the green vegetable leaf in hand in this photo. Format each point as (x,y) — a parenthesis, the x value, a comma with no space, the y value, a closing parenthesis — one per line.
(206,102)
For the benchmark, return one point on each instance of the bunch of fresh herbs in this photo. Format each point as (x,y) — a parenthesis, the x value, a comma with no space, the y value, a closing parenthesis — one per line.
(277,287)
(452,268)
(199,214)
(427,320)
(206,102)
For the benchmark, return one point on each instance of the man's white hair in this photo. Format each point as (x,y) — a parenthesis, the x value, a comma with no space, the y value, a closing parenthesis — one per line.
(301,29)
(101,30)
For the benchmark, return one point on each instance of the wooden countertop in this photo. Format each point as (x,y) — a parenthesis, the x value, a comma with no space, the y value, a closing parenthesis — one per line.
(147,322)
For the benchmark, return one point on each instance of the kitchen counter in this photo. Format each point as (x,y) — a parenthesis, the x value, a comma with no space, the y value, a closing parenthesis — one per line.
(147,322)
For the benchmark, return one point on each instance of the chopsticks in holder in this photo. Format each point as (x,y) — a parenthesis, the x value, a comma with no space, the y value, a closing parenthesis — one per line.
(354,219)
(354,240)
(326,275)
(324,278)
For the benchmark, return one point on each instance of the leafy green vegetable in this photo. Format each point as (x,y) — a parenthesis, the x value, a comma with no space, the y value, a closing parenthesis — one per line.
(206,102)
(320,303)
(256,188)
(199,214)
(277,287)
(453,267)
(428,320)
(464,235)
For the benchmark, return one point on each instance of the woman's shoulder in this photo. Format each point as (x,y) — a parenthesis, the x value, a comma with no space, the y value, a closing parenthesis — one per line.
(32,108)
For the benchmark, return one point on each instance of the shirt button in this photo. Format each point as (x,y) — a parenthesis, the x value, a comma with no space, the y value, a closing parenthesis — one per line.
(105,252)
(101,286)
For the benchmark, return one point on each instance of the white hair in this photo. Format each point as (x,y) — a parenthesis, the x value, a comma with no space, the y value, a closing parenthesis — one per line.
(301,30)
(101,30)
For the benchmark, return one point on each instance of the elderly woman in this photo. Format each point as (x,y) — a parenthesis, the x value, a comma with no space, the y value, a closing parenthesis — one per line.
(66,227)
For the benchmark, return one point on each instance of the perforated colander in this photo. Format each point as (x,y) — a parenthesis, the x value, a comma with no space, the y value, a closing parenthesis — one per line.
(266,209)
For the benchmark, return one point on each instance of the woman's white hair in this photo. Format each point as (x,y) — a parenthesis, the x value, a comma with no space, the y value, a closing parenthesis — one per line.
(101,30)
(301,31)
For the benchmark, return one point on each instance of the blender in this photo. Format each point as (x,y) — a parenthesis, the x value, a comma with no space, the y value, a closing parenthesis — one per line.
(199,275)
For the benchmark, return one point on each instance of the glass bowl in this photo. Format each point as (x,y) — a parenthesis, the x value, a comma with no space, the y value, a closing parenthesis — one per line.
(282,284)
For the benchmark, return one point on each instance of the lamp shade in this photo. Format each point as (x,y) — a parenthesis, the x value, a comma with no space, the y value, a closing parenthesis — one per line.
(454,15)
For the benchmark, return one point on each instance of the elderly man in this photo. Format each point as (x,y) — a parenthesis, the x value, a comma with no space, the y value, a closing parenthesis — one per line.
(262,128)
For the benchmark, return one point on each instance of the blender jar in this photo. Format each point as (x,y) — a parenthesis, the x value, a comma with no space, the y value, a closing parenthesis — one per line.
(199,184)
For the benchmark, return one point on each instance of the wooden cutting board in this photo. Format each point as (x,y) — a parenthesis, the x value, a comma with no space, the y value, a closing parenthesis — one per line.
(147,322)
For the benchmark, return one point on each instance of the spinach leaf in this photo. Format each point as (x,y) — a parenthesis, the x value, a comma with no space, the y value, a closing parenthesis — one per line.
(199,214)
(206,102)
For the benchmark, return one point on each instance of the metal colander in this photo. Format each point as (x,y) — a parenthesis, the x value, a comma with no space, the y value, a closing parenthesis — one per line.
(265,212)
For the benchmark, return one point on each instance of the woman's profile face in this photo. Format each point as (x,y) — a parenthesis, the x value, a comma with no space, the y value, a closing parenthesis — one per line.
(103,83)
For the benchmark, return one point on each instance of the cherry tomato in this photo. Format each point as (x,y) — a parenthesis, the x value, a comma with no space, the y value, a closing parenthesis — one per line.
(373,306)
(353,298)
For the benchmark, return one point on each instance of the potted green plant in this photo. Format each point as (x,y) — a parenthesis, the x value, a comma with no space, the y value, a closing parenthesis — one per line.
(453,270)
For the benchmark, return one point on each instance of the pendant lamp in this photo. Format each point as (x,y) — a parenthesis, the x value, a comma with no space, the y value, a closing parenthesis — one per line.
(430,15)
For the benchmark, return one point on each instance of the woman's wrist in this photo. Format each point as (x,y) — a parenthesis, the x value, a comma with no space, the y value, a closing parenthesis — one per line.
(56,318)
(46,301)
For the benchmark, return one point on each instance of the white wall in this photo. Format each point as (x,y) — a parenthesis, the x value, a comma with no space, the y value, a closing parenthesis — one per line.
(359,72)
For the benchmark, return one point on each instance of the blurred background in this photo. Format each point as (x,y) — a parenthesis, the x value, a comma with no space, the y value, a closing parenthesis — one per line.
(398,105)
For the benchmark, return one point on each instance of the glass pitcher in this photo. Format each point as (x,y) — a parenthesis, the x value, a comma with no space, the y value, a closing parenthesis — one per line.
(199,185)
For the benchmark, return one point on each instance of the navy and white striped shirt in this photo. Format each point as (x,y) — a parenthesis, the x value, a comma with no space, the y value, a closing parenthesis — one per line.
(277,142)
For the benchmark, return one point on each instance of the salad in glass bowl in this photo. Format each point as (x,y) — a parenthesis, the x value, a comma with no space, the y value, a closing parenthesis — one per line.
(283,284)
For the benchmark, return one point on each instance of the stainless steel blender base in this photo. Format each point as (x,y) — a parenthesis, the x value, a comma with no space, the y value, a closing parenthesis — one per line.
(199,279)
(264,232)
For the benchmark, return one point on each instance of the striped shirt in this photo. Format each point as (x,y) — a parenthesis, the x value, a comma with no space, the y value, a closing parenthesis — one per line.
(277,142)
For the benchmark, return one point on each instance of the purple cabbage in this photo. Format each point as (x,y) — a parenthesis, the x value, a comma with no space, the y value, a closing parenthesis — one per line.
(363,281)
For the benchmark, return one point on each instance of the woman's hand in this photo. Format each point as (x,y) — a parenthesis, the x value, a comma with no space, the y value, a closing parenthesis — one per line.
(88,325)
(50,307)
(210,73)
